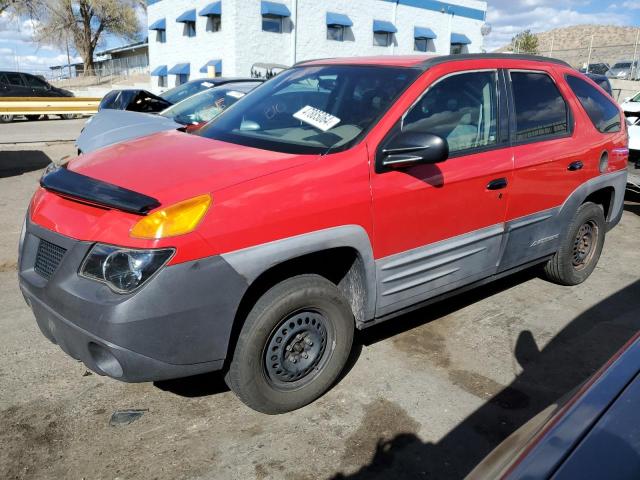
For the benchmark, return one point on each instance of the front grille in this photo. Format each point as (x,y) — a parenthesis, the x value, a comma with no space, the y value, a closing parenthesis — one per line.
(48,258)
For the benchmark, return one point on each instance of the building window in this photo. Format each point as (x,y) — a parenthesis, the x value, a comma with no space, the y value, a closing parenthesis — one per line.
(335,32)
(214,23)
(189,29)
(182,78)
(271,24)
(161,36)
(162,81)
(457,48)
(382,39)
(421,45)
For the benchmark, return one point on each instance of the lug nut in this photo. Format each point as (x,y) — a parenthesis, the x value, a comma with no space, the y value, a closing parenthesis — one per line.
(305,355)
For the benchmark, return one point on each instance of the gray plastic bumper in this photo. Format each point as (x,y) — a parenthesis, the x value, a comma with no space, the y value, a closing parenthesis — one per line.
(178,324)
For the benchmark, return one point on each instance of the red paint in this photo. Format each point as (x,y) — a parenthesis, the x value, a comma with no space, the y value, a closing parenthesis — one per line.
(261,196)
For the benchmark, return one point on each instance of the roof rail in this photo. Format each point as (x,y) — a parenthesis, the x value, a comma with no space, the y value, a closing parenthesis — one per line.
(491,56)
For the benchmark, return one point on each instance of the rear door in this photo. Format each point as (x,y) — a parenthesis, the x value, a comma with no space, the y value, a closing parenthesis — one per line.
(549,162)
(438,227)
(16,86)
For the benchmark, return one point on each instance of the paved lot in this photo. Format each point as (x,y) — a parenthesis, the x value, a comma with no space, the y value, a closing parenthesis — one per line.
(54,130)
(426,396)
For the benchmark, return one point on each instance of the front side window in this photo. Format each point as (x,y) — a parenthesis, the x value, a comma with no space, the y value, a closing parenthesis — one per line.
(461,109)
(35,82)
(541,111)
(382,39)
(312,109)
(271,24)
(602,112)
(335,32)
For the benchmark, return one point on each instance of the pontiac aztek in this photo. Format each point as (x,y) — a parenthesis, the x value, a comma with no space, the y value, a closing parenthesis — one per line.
(337,195)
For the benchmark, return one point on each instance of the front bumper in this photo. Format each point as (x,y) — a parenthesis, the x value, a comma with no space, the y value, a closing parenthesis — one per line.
(176,325)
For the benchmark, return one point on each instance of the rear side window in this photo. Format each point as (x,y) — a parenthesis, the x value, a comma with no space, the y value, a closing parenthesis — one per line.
(602,112)
(541,111)
(15,79)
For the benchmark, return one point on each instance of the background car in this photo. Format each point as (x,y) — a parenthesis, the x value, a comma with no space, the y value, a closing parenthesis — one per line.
(137,100)
(597,68)
(602,81)
(17,84)
(623,70)
(113,126)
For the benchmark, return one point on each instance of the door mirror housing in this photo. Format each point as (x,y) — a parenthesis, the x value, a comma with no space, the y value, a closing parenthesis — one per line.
(407,149)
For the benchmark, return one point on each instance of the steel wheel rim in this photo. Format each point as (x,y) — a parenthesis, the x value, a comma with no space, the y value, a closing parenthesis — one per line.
(297,349)
(584,245)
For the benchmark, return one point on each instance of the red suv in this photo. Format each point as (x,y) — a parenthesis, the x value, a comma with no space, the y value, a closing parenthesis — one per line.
(337,195)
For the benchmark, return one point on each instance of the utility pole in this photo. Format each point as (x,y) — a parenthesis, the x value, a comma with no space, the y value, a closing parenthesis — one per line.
(68,56)
(590,49)
(634,67)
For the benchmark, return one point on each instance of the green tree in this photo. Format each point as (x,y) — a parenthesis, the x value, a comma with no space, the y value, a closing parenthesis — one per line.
(524,42)
(83,24)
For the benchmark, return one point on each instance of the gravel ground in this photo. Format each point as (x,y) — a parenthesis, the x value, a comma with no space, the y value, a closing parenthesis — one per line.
(426,395)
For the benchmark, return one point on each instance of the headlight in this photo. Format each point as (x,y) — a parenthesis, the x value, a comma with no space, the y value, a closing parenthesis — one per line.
(123,269)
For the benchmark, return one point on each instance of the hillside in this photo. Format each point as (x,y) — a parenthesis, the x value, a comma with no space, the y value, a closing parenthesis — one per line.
(571,44)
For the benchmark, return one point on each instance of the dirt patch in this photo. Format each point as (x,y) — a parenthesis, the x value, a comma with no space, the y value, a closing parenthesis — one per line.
(8,266)
(383,422)
(428,342)
(489,390)
(31,441)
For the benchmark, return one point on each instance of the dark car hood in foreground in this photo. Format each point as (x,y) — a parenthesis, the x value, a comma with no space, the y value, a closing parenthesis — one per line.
(592,434)
(113,126)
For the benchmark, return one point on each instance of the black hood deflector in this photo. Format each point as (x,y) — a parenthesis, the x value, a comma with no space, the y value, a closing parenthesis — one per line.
(74,185)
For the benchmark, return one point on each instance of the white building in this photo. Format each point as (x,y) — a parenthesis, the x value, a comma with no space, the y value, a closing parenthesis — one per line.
(186,37)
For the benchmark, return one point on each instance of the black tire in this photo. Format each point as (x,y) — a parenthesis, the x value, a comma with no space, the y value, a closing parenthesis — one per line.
(32,118)
(69,116)
(303,315)
(580,249)
(6,118)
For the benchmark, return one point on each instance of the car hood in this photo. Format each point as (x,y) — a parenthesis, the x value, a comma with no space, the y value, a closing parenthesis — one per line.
(172,166)
(631,106)
(108,127)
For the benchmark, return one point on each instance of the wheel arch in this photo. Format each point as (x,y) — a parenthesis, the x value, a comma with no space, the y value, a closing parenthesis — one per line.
(343,255)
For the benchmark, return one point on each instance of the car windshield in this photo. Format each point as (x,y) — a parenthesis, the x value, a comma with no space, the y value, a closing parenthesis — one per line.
(205,106)
(312,109)
(622,65)
(185,90)
(636,98)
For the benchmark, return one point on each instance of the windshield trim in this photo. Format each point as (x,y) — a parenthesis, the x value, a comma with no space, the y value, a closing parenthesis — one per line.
(283,147)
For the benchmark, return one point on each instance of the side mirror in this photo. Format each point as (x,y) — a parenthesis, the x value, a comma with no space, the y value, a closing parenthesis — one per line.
(413,148)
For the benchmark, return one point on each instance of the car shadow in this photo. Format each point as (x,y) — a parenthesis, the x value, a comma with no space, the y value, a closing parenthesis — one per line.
(13,163)
(548,374)
(632,202)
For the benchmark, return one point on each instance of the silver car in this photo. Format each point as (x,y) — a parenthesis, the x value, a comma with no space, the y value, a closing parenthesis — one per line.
(114,126)
(624,70)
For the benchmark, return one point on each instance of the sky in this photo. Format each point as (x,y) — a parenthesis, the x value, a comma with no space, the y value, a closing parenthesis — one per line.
(507,17)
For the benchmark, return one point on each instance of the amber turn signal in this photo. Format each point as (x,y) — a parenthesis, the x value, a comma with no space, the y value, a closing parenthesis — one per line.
(178,219)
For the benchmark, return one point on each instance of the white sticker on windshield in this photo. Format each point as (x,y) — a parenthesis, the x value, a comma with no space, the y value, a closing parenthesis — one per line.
(317,118)
(234,94)
(208,84)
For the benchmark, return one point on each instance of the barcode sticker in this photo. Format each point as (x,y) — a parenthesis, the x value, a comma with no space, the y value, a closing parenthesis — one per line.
(317,118)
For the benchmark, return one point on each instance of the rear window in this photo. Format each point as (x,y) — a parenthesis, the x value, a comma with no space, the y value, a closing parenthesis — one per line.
(541,111)
(602,112)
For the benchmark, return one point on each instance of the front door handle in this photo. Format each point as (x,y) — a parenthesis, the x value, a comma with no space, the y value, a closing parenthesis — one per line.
(574,166)
(497,184)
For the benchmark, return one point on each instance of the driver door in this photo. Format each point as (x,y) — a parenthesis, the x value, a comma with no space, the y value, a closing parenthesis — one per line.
(440,226)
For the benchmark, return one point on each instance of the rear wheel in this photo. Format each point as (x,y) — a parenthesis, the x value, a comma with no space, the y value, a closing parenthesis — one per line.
(6,118)
(32,118)
(292,346)
(69,116)
(580,249)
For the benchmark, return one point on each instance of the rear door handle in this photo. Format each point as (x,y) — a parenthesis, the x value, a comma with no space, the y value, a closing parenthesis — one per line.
(573,166)
(497,184)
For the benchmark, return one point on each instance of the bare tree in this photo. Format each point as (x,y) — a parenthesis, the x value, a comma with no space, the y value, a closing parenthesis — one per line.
(84,23)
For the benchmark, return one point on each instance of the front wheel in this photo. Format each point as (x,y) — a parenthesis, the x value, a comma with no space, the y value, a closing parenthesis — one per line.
(6,118)
(69,116)
(581,248)
(293,345)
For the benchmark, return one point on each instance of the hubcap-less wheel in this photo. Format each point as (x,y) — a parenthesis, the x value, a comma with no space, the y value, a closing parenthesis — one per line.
(296,350)
(584,245)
